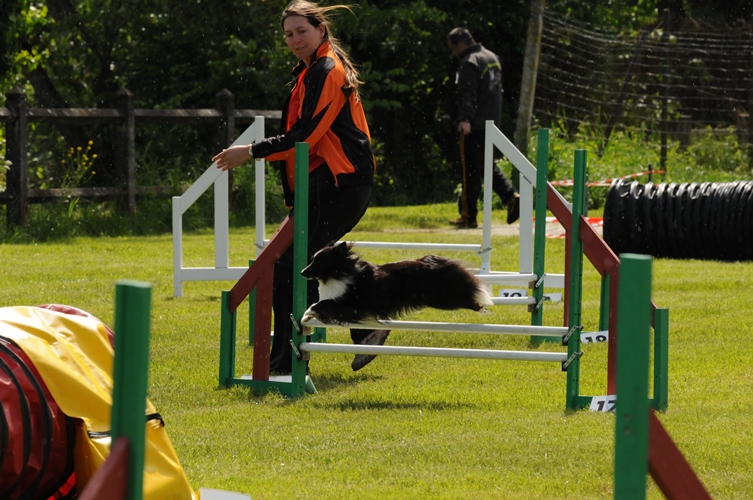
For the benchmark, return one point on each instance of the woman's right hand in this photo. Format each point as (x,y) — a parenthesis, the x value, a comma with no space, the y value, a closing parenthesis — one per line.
(232,157)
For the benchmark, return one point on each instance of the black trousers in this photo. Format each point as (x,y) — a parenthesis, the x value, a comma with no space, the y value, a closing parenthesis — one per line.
(333,212)
(474,175)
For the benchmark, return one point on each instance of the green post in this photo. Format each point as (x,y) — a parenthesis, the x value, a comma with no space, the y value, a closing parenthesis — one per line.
(130,375)
(576,280)
(227,341)
(661,359)
(631,425)
(539,242)
(300,260)
(604,303)
(251,311)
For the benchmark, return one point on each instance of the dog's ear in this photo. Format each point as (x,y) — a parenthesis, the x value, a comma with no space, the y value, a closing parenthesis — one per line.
(342,247)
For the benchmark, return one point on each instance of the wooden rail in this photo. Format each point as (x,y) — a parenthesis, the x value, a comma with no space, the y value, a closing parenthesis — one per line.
(17,115)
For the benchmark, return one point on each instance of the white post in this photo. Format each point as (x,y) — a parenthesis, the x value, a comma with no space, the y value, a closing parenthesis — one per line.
(218,178)
(259,166)
(177,247)
(527,184)
(221,221)
(486,239)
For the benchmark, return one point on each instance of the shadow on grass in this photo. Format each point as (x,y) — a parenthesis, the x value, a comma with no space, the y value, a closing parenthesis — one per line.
(380,404)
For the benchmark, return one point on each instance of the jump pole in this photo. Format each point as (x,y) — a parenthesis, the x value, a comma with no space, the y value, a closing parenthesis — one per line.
(574,283)
(642,445)
(300,260)
(130,377)
(539,245)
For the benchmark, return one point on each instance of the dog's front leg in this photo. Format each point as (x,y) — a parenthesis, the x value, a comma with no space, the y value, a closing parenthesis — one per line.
(331,312)
(324,310)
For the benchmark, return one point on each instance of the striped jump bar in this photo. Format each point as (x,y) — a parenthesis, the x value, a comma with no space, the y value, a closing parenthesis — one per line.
(437,352)
(431,326)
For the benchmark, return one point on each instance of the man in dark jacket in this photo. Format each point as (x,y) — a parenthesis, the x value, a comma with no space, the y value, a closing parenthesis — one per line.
(479,82)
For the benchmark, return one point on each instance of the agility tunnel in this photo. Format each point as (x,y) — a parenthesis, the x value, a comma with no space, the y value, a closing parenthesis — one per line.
(710,220)
(70,424)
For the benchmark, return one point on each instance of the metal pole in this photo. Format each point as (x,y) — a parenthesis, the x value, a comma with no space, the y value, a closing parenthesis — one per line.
(631,425)
(665,92)
(539,243)
(227,341)
(435,352)
(130,375)
(427,326)
(300,260)
(576,277)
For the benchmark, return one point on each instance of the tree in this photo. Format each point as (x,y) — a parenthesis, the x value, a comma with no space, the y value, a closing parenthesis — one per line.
(177,54)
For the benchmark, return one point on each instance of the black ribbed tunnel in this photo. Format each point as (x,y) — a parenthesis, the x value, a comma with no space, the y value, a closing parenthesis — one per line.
(689,220)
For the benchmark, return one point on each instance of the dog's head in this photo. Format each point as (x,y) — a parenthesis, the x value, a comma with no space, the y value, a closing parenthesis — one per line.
(334,261)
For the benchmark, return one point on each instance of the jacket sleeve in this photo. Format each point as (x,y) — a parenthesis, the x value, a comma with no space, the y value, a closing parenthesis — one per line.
(467,79)
(321,104)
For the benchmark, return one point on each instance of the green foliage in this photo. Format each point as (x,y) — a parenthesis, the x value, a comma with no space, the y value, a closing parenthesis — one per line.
(244,197)
(78,167)
(711,156)
(181,54)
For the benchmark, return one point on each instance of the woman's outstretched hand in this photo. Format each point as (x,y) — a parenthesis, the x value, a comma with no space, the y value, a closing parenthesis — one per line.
(232,157)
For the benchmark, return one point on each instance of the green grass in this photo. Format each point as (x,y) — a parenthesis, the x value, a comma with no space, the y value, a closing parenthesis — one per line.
(413,427)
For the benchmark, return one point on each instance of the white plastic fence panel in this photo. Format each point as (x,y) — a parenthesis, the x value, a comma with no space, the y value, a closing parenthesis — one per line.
(213,176)
(496,139)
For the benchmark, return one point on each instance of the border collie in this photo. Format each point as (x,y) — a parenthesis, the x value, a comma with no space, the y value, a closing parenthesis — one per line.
(352,290)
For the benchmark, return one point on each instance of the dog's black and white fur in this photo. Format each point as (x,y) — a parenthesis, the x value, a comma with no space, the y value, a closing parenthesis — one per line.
(352,290)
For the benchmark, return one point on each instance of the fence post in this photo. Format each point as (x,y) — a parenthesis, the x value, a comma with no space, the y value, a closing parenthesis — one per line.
(225,104)
(749,138)
(665,89)
(17,138)
(125,157)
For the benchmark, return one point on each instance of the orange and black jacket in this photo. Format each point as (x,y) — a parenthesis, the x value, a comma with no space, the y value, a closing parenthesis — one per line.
(330,119)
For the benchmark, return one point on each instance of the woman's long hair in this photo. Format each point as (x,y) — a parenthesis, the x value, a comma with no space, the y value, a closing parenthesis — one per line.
(316,15)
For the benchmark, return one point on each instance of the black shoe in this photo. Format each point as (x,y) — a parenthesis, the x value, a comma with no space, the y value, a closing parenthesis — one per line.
(377,337)
(513,208)
(463,223)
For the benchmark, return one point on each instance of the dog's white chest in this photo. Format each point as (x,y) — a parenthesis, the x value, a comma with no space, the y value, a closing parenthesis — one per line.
(333,289)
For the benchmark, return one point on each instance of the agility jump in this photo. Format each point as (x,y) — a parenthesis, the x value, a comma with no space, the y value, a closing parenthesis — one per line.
(258,277)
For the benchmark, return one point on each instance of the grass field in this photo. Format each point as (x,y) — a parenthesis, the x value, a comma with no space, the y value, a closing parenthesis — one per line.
(414,427)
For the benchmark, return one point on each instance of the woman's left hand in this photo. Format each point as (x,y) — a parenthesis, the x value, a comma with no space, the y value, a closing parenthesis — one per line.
(232,157)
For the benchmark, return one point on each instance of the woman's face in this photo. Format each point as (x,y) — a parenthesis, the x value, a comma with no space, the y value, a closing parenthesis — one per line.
(302,38)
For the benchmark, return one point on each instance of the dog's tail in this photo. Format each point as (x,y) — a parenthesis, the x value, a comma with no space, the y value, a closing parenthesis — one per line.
(483,297)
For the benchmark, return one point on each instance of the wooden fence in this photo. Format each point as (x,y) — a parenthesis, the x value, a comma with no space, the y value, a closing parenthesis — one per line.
(17,115)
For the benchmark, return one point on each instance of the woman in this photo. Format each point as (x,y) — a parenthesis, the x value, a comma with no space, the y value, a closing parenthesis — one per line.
(323,109)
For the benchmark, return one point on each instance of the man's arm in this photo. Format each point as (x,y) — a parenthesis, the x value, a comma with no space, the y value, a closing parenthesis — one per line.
(468,79)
